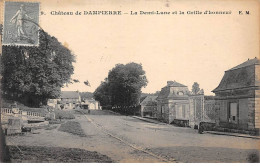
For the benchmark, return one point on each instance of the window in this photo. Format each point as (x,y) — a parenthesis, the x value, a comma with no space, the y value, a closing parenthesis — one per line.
(180,93)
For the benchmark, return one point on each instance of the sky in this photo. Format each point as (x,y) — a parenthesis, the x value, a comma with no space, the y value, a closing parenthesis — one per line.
(184,48)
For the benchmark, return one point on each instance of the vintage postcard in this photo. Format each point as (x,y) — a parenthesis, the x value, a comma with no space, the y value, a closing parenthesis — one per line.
(141,81)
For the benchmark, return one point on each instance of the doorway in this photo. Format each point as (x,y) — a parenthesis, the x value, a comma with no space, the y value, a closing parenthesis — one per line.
(233,113)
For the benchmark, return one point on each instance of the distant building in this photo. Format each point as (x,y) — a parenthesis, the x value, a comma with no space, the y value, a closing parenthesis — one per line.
(67,100)
(237,96)
(91,104)
(177,105)
(70,99)
(173,102)
(53,103)
(149,106)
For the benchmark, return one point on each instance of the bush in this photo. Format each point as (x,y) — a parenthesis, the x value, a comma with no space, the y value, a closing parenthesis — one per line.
(55,122)
(64,115)
(107,107)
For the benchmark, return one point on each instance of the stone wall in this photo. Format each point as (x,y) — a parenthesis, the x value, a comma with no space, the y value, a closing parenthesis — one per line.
(251,113)
(223,116)
(257,109)
(149,111)
(243,113)
(192,114)
(217,110)
(166,113)
(248,113)
(210,114)
(196,108)
(158,114)
(163,111)
(172,112)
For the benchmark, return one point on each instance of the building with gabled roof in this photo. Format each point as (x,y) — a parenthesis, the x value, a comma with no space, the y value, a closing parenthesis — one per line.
(70,95)
(149,106)
(237,96)
(67,100)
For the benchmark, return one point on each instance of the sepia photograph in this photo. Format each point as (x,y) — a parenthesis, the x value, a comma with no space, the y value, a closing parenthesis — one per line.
(141,81)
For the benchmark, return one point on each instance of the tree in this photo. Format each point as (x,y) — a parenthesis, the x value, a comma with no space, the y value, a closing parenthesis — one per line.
(125,83)
(195,88)
(123,86)
(32,75)
(201,91)
(102,94)
(85,95)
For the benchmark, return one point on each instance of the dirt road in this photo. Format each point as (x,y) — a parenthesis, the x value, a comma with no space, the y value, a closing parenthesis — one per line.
(126,139)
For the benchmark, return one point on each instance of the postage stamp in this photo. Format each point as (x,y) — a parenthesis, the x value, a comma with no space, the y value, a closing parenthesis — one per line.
(21,21)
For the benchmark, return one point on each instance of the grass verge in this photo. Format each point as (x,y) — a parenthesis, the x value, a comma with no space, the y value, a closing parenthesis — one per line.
(40,154)
(72,127)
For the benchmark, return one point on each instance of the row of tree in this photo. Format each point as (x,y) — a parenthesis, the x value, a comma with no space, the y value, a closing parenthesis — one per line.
(123,86)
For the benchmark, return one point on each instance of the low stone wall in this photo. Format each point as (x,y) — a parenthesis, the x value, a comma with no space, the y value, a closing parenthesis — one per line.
(12,120)
(181,122)
(206,126)
(6,113)
(254,132)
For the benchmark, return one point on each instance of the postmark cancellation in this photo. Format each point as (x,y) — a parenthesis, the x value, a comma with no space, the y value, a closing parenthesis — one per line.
(21,23)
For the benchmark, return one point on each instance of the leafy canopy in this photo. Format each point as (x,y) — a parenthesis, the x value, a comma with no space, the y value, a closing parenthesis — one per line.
(123,85)
(195,88)
(32,75)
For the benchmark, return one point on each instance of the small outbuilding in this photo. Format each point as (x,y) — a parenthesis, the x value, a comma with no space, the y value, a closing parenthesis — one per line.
(176,104)
(173,102)
(149,106)
(237,97)
(91,104)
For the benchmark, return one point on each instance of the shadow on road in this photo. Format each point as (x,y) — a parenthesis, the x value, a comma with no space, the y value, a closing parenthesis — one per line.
(96,112)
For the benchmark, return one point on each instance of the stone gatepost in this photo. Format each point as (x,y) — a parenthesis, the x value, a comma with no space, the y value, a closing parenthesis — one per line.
(14,126)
